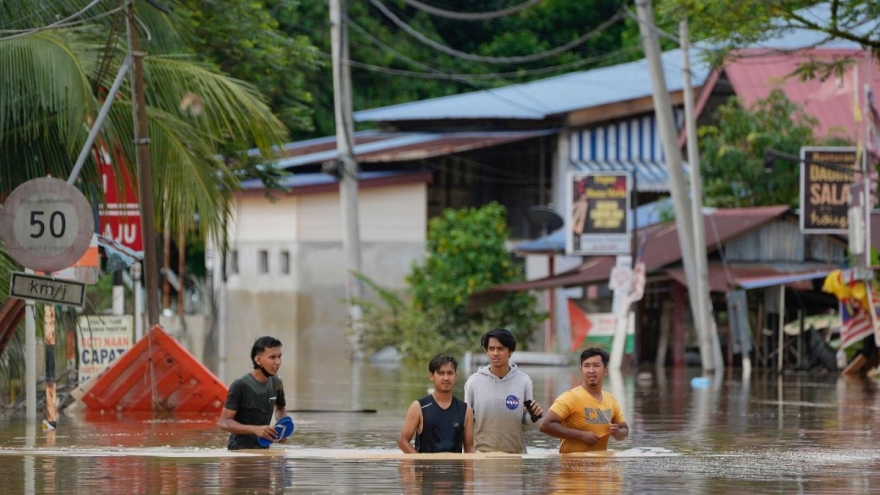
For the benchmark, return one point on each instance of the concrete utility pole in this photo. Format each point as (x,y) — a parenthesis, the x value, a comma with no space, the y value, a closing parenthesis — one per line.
(145,176)
(348,172)
(683,213)
(707,318)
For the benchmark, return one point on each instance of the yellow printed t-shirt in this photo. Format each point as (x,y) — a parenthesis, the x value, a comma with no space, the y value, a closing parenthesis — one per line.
(580,411)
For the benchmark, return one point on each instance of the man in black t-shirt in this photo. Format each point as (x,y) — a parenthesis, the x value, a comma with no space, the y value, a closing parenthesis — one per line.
(254,398)
(439,421)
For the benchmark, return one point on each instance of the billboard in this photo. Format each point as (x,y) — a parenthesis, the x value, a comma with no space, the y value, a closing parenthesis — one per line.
(824,191)
(597,220)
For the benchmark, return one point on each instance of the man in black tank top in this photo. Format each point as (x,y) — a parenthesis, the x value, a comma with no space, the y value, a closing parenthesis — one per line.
(439,422)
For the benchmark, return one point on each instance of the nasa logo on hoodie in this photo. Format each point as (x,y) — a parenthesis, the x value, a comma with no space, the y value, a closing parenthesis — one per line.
(512,402)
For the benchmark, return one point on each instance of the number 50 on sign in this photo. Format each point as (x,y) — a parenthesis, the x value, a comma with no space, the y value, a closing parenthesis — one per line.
(46,224)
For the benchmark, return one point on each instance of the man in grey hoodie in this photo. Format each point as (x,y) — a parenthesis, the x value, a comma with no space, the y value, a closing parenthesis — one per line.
(501,398)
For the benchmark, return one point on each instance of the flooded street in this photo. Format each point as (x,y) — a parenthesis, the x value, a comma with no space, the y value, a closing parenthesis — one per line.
(767,434)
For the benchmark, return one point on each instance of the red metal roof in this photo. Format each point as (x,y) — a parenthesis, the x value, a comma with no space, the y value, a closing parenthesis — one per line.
(662,248)
(757,72)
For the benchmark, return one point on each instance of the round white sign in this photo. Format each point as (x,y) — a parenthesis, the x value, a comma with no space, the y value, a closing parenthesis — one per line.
(46,224)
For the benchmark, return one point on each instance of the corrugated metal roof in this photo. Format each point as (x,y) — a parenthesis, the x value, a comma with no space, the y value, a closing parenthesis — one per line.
(375,146)
(318,182)
(538,100)
(831,101)
(661,249)
(724,278)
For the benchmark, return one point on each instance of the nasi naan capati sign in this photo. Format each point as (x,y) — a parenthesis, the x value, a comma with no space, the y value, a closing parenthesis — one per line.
(824,193)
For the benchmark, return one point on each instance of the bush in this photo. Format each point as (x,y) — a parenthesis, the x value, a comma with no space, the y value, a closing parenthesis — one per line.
(466,254)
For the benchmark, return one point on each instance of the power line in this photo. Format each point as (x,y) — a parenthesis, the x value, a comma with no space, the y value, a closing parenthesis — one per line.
(66,22)
(494,60)
(397,54)
(470,16)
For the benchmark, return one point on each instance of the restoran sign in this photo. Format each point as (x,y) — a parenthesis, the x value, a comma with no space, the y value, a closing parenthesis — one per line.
(597,218)
(825,189)
(101,340)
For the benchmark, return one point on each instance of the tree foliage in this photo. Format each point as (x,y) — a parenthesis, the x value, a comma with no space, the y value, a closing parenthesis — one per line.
(733,150)
(736,24)
(466,254)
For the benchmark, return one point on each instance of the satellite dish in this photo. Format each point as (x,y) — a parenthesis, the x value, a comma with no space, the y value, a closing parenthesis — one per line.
(546,217)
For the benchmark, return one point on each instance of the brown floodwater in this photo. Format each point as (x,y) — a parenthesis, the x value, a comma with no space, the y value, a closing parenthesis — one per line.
(766,434)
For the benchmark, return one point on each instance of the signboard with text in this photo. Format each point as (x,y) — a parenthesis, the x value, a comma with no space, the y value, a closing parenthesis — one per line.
(101,340)
(120,216)
(598,214)
(824,191)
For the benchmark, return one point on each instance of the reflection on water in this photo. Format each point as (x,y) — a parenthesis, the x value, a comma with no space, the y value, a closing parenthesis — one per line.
(769,434)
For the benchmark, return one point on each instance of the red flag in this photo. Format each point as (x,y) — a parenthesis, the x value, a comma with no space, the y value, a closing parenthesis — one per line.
(580,325)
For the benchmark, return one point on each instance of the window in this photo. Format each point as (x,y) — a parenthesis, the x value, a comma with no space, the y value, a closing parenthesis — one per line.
(285,262)
(264,261)
(233,262)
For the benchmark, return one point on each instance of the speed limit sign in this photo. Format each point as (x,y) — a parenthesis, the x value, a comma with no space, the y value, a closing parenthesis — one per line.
(46,224)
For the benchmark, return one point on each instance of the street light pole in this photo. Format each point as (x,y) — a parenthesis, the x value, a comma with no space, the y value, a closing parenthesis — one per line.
(348,169)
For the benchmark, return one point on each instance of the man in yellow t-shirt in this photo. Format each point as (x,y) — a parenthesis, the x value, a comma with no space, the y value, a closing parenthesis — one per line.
(584,417)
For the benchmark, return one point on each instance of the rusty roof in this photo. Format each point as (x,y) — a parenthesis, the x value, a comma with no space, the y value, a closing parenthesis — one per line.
(378,146)
(725,278)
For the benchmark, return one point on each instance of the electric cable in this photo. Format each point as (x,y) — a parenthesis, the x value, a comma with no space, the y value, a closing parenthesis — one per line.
(470,16)
(496,60)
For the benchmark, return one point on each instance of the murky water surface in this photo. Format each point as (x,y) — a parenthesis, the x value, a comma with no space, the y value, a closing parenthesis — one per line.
(767,434)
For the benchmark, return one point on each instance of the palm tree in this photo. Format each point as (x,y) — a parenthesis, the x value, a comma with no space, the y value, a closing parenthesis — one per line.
(59,58)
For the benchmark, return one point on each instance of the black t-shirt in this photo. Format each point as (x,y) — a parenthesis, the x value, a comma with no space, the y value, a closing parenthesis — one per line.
(442,429)
(253,405)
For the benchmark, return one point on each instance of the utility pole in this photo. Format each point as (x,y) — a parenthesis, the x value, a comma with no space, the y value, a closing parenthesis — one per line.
(707,318)
(683,213)
(145,176)
(347,169)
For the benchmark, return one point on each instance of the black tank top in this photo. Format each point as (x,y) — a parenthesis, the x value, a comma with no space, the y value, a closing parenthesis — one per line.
(442,429)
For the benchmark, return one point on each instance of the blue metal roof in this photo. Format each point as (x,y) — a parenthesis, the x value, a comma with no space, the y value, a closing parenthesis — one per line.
(538,100)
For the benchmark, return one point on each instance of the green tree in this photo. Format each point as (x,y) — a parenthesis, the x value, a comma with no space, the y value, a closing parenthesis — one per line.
(737,24)
(732,151)
(466,254)
(60,56)
(245,40)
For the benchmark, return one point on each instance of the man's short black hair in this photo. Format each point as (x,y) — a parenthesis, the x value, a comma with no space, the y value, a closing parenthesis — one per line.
(441,359)
(595,351)
(260,345)
(504,337)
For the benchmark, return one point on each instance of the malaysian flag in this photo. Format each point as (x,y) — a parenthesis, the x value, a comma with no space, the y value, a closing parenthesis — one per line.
(855,323)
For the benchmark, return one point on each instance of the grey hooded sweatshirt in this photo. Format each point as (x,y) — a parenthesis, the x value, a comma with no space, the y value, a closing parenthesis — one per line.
(499,413)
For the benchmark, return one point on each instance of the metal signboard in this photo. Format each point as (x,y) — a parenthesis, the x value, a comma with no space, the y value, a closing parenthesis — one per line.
(46,224)
(824,190)
(120,216)
(598,214)
(47,289)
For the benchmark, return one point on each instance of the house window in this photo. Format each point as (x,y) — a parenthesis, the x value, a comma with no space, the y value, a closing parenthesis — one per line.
(233,262)
(285,262)
(264,261)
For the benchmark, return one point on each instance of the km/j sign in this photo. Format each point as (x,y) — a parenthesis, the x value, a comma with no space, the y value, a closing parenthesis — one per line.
(49,290)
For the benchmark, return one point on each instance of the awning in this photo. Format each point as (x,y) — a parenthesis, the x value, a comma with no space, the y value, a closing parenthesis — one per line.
(723,279)
(651,176)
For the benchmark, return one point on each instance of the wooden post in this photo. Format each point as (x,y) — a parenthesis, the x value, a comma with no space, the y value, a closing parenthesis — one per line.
(50,421)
